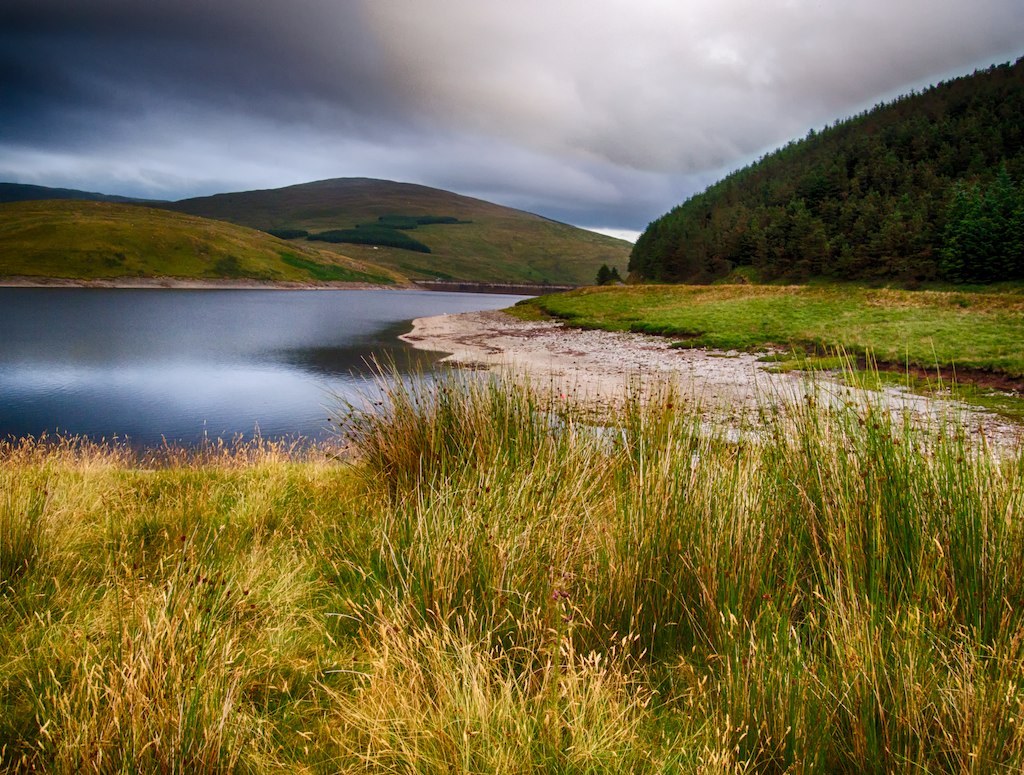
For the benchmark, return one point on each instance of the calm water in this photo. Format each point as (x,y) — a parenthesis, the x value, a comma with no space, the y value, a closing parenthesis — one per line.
(179,365)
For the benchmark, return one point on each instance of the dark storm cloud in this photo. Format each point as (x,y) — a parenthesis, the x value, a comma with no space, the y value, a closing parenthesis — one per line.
(218,55)
(599,114)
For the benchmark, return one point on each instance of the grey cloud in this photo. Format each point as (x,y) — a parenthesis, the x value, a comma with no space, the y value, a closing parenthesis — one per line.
(677,87)
(600,114)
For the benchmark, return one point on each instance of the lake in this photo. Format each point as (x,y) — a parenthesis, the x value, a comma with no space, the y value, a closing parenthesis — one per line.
(184,365)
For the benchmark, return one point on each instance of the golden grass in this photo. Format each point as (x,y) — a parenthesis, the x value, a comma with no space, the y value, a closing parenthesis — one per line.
(498,587)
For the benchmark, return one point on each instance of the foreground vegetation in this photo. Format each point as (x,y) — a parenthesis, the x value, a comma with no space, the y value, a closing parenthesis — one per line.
(98,240)
(497,587)
(955,330)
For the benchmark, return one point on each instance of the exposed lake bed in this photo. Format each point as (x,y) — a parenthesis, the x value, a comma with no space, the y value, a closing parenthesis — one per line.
(599,369)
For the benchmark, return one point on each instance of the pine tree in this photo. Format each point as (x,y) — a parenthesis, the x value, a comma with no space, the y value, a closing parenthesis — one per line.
(1002,206)
(956,237)
(984,236)
(1016,241)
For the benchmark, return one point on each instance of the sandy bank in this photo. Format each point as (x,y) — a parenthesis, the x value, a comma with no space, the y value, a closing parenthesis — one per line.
(598,367)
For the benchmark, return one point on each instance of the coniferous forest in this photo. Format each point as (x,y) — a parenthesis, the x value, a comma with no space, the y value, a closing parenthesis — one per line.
(927,187)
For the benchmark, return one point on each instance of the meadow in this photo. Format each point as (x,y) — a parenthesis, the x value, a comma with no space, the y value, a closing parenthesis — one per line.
(961,331)
(494,585)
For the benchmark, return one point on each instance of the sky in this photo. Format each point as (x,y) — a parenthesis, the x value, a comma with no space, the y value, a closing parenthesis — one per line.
(601,114)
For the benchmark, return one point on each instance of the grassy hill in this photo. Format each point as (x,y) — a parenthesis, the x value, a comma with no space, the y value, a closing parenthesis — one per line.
(96,240)
(490,244)
(926,187)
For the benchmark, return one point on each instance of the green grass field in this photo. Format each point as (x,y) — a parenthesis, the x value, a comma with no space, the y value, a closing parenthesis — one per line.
(495,587)
(93,240)
(969,331)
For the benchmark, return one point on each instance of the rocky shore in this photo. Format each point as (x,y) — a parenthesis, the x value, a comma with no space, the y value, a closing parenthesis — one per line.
(597,368)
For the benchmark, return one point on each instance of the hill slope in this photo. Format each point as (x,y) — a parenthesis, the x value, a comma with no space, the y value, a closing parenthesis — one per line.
(926,187)
(25,192)
(94,240)
(491,243)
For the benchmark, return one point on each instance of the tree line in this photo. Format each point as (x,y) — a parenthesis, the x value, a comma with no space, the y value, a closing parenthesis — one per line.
(386,231)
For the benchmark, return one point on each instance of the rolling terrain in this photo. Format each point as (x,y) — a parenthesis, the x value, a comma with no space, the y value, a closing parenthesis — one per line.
(86,240)
(491,243)
(409,232)
(24,192)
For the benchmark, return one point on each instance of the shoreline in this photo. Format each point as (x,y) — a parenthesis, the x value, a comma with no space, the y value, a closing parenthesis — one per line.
(181,283)
(243,284)
(592,365)
(598,369)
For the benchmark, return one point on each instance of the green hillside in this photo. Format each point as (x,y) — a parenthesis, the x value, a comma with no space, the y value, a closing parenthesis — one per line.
(99,240)
(928,187)
(489,243)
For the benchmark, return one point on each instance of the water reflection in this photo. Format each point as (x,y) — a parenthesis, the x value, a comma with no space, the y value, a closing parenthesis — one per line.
(359,357)
(184,365)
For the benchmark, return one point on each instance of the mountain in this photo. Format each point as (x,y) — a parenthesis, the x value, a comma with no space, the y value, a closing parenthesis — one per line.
(95,240)
(445,235)
(926,187)
(24,192)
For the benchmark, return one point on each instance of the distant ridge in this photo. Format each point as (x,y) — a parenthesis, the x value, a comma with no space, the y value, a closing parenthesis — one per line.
(413,232)
(25,192)
(319,199)
(490,244)
(927,187)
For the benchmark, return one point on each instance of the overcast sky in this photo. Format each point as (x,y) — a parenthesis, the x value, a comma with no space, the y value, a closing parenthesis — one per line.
(603,114)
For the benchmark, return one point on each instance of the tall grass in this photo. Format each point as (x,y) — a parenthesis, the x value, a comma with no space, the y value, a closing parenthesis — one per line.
(837,592)
(498,586)
(155,617)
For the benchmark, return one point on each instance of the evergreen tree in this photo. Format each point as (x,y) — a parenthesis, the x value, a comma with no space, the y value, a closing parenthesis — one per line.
(984,236)
(961,235)
(1016,240)
(1002,204)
